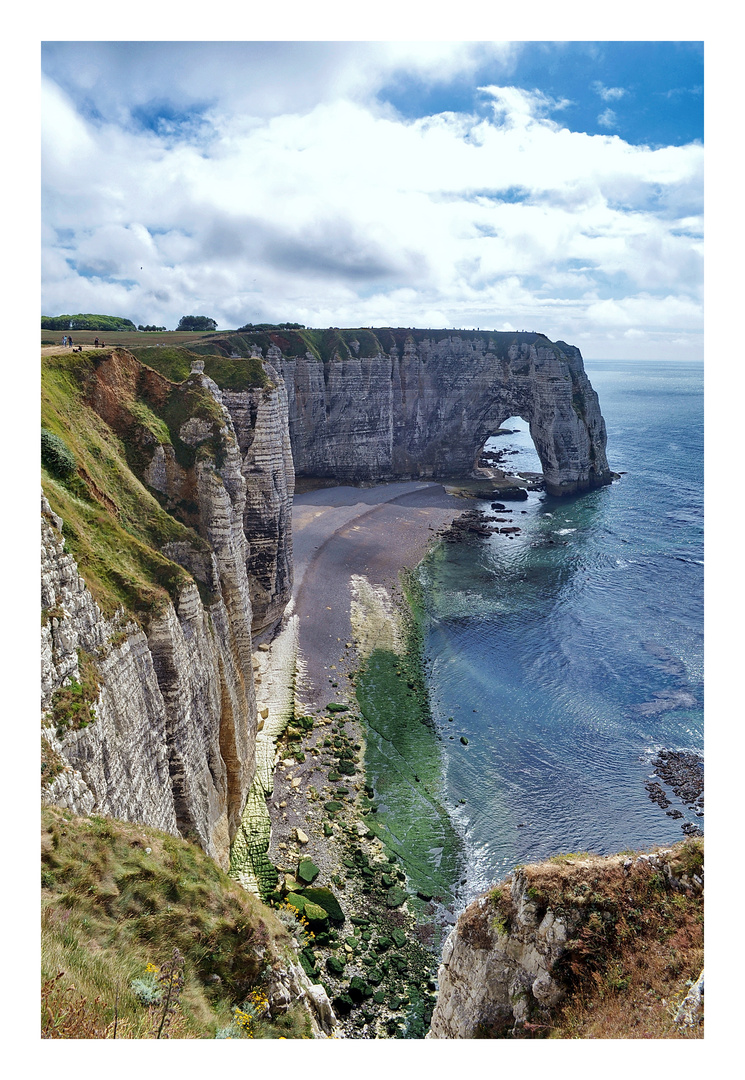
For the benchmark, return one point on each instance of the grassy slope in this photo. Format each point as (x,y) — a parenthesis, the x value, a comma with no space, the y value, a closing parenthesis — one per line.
(117,897)
(113,525)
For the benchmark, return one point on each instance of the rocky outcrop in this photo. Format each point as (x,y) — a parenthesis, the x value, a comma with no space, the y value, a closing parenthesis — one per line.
(168,737)
(425,406)
(516,952)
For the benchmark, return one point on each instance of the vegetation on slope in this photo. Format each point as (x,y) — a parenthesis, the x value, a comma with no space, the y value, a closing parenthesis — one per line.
(85,322)
(112,524)
(637,949)
(229,372)
(127,912)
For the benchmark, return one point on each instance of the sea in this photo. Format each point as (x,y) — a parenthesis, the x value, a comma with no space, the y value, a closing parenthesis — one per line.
(561,660)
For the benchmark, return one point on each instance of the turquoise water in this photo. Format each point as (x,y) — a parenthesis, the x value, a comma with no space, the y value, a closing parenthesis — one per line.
(568,655)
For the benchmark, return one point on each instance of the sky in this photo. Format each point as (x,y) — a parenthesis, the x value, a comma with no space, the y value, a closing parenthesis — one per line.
(550,186)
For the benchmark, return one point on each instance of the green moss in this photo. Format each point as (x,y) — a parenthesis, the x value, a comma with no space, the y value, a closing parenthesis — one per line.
(72,705)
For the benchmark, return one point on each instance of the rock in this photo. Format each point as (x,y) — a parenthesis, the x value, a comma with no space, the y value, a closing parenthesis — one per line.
(296,900)
(464,740)
(411,409)
(301,836)
(307,871)
(325,898)
(691,1010)
(396,896)
(317,917)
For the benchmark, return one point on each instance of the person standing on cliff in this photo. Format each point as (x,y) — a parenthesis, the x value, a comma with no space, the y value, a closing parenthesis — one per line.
(69,341)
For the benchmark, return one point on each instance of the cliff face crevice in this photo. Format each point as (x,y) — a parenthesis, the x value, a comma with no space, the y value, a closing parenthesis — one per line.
(427,408)
(167,734)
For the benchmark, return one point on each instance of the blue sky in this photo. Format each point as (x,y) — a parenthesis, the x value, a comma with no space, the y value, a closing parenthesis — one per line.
(554,186)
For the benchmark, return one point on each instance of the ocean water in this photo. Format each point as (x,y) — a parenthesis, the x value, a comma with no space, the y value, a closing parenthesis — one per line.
(568,655)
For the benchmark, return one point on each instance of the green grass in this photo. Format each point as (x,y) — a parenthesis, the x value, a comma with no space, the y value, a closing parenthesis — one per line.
(229,373)
(117,897)
(113,525)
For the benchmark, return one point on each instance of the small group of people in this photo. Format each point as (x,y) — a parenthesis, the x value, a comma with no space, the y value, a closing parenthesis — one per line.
(67,343)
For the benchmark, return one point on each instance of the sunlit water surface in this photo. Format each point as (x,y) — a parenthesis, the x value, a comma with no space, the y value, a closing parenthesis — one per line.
(568,655)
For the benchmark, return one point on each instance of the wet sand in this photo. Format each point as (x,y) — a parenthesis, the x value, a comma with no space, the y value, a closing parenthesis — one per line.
(338,532)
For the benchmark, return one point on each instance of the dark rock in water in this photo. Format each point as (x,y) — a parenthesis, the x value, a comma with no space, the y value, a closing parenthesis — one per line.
(657,795)
(498,506)
(674,814)
(691,830)
(684,773)
(464,740)
(513,494)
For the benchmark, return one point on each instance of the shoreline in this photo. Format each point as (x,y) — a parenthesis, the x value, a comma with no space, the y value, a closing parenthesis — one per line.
(313,802)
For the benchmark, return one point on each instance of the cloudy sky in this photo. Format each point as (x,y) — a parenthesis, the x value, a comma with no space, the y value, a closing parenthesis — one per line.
(547,186)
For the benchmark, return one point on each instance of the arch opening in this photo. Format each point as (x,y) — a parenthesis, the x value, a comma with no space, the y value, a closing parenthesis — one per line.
(510,455)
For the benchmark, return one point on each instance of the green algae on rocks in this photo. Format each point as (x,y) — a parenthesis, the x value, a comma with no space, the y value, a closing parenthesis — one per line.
(402,759)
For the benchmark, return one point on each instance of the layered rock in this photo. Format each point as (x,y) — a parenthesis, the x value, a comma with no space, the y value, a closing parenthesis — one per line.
(260,419)
(426,409)
(508,961)
(172,743)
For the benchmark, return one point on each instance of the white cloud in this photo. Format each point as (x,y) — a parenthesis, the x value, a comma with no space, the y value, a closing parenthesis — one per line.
(346,214)
(609,93)
(607,119)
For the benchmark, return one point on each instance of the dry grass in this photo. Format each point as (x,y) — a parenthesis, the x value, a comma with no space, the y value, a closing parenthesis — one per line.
(637,949)
(117,897)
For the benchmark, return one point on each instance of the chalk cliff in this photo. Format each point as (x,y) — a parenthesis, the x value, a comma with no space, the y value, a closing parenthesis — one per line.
(597,927)
(365,407)
(148,702)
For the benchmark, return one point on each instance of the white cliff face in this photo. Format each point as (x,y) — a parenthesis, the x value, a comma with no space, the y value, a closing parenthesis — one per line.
(173,741)
(260,420)
(426,410)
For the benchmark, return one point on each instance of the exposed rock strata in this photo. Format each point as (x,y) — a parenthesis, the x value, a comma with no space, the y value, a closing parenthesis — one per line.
(173,741)
(502,963)
(427,410)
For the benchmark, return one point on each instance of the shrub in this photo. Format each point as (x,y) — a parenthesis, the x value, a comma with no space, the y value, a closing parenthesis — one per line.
(56,456)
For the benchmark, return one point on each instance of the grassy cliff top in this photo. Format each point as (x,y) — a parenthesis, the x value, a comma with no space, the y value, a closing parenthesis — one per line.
(169,351)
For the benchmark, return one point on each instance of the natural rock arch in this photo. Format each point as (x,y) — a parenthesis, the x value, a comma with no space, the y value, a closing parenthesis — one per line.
(425,406)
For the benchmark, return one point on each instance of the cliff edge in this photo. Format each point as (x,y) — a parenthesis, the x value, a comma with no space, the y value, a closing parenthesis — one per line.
(148,591)
(580,947)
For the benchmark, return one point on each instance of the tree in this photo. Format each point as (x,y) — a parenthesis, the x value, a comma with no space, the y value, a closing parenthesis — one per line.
(196,322)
